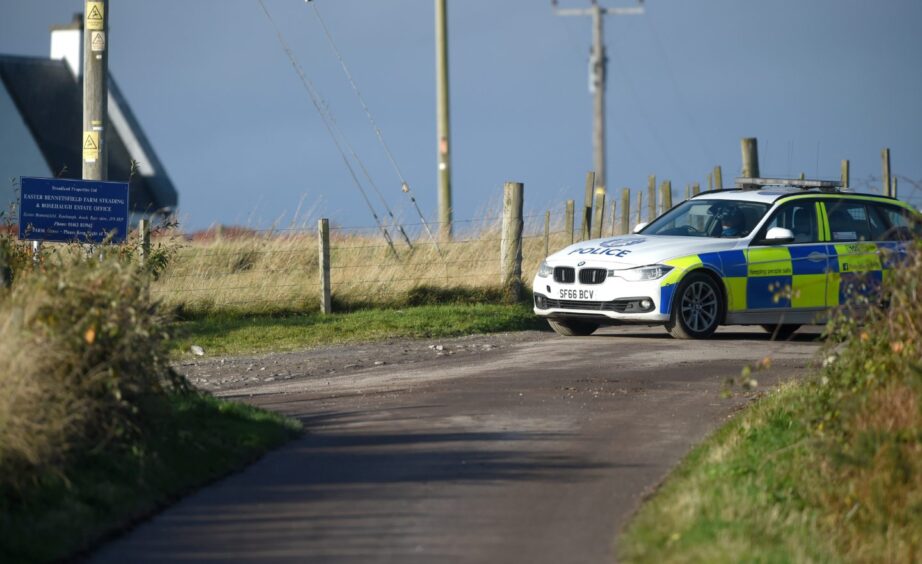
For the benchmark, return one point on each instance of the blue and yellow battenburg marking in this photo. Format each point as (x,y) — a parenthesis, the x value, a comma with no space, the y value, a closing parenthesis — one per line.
(801,276)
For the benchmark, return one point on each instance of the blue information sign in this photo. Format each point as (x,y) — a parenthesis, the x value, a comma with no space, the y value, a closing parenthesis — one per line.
(64,210)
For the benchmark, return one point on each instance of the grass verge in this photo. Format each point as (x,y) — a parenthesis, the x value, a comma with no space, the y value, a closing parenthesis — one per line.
(197,439)
(739,496)
(231,333)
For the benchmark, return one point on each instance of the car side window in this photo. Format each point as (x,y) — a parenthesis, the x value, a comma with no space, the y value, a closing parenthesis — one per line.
(799,217)
(899,224)
(850,221)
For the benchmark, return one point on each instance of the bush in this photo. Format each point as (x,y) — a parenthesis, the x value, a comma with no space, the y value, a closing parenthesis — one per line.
(82,348)
(868,417)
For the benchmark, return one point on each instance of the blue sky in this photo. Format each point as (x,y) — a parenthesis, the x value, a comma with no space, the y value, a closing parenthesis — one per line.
(815,81)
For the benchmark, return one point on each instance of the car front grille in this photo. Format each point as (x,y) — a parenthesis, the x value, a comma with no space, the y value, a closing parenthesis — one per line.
(564,274)
(592,275)
(618,306)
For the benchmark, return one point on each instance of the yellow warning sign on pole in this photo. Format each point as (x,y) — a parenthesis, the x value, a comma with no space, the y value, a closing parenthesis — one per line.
(90,146)
(94,15)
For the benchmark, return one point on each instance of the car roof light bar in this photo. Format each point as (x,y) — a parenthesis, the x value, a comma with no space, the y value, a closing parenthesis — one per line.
(803,184)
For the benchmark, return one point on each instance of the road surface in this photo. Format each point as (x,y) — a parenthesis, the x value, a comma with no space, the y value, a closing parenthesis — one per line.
(525,447)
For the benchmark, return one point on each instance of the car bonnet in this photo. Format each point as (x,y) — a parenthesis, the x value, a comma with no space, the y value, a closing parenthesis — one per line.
(628,251)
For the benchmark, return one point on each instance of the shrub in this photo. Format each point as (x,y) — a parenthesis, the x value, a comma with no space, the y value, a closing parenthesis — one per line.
(868,419)
(82,348)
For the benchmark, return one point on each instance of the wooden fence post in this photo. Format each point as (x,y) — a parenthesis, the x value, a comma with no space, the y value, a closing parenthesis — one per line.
(718,178)
(696,189)
(625,210)
(586,229)
(6,273)
(893,190)
(511,244)
(845,173)
(598,215)
(710,182)
(687,192)
(611,214)
(571,205)
(750,150)
(886,188)
(639,209)
(547,231)
(143,241)
(36,255)
(326,297)
(651,197)
(666,195)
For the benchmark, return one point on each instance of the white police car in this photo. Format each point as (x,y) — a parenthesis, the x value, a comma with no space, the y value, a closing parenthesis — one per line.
(774,252)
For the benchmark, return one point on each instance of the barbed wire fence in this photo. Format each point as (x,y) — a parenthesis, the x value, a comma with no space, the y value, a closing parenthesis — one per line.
(279,269)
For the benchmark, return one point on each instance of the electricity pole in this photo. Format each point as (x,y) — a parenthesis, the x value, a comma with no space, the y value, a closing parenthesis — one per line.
(598,65)
(444,147)
(95,90)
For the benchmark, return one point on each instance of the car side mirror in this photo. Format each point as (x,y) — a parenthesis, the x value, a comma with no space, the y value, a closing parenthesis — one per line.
(779,235)
(639,227)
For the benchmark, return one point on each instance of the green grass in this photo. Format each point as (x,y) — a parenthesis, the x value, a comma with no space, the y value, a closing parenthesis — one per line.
(232,333)
(738,496)
(196,440)
(774,486)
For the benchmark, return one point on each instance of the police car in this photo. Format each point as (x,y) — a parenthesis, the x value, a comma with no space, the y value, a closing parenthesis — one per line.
(774,252)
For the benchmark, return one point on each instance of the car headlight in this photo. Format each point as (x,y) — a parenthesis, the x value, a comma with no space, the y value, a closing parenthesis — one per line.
(545,270)
(652,272)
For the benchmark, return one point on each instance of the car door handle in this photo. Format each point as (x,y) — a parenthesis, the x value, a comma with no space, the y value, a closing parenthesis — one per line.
(816,257)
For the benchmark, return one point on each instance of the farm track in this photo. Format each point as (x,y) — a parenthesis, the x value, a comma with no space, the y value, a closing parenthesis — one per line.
(523,447)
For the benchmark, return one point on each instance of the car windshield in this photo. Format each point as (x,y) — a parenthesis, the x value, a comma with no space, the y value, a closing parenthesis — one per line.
(709,218)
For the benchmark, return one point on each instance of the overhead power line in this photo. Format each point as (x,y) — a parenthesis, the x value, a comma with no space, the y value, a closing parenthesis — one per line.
(328,122)
(404,184)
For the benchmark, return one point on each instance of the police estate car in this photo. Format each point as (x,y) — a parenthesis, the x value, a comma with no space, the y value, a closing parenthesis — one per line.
(776,253)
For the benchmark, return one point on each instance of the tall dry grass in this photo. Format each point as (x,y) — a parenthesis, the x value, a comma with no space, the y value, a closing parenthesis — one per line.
(82,348)
(279,270)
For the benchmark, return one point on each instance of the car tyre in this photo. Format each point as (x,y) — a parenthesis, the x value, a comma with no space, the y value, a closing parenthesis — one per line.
(573,328)
(697,309)
(781,332)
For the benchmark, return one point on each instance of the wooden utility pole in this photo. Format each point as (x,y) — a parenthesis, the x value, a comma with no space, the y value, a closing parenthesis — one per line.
(510,255)
(750,149)
(442,117)
(651,197)
(95,147)
(845,174)
(887,189)
(625,210)
(598,65)
(586,228)
(718,178)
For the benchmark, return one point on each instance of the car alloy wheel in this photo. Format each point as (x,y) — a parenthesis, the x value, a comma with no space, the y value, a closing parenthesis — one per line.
(698,308)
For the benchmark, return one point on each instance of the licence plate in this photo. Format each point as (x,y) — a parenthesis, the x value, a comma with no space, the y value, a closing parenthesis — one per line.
(574,294)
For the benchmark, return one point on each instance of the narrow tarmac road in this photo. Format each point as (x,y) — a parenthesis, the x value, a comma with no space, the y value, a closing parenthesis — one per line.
(536,449)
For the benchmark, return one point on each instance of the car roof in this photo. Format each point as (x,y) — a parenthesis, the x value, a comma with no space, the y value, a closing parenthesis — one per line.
(772,194)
